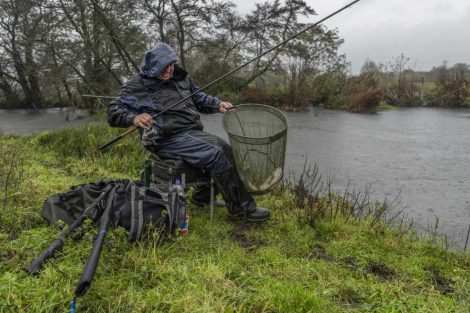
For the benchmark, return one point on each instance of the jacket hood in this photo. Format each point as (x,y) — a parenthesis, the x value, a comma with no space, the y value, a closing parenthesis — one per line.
(157,59)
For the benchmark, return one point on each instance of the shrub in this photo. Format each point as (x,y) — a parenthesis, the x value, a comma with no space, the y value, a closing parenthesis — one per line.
(364,101)
(253,95)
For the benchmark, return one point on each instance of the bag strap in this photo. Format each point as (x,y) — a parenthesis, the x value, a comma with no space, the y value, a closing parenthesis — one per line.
(137,214)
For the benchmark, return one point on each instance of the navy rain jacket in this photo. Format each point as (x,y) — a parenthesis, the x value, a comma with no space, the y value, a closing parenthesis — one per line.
(143,92)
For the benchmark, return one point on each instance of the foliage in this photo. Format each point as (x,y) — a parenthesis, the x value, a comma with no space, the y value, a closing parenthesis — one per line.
(398,84)
(452,86)
(313,53)
(253,95)
(276,97)
(363,93)
(403,90)
(54,51)
(328,88)
(51,52)
(321,252)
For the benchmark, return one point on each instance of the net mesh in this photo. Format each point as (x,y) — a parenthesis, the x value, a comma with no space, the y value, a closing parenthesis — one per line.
(258,135)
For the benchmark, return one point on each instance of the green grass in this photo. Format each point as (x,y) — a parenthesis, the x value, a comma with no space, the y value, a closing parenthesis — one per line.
(303,260)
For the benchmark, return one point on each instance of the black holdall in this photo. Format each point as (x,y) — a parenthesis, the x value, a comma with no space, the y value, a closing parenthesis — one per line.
(68,206)
(135,206)
(110,203)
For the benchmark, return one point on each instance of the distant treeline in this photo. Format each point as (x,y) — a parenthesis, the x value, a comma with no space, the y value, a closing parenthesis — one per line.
(54,51)
(397,83)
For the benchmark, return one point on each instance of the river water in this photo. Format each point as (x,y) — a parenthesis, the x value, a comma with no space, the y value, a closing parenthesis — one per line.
(421,154)
(26,122)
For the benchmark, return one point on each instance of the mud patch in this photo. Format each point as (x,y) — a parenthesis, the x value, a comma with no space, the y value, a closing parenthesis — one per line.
(238,233)
(440,282)
(382,270)
(318,252)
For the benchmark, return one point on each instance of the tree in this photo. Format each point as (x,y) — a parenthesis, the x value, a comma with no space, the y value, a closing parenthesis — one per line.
(58,49)
(270,23)
(6,84)
(21,27)
(180,23)
(403,91)
(328,87)
(363,92)
(99,58)
(311,54)
(452,85)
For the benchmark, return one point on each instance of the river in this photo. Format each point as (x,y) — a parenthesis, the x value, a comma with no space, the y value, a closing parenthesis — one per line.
(421,154)
(26,122)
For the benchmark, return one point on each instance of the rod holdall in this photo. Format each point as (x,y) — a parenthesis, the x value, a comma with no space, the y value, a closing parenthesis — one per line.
(135,206)
(68,206)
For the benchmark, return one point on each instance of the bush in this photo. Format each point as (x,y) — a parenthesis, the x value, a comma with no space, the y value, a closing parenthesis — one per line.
(328,90)
(364,101)
(253,95)
(363,93)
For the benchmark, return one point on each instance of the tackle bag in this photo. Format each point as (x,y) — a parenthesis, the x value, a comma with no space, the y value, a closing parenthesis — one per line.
(135,206)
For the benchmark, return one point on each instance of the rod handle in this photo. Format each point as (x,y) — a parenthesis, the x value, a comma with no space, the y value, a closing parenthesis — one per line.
(124,134)
(48,253)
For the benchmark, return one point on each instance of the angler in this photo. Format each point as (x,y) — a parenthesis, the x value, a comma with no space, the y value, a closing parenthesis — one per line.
(176,132)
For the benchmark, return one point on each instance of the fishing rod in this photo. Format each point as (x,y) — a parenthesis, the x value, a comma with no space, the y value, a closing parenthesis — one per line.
(57,244)
(134,128)
(89,271)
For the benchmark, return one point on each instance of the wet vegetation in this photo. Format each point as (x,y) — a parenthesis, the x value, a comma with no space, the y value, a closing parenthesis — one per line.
(321,251)
(52,53)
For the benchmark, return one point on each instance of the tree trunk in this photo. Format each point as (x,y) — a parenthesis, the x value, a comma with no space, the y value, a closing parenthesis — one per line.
(11,98)
(35,96)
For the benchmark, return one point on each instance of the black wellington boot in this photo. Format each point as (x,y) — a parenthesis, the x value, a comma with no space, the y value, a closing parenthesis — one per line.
(240,203)
(258,215)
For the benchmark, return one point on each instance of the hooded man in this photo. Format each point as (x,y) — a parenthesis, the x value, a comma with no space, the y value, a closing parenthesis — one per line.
(178,133)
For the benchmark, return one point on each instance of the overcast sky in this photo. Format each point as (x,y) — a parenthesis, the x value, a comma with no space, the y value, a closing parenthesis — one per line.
(426,31)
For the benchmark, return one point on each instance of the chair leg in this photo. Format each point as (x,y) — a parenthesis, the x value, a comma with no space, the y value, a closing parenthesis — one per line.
(211,215)
(145,173)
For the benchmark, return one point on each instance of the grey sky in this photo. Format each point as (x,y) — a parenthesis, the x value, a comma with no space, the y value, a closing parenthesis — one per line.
(426,31)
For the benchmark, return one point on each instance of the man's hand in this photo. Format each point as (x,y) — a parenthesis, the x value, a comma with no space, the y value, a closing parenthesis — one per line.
(225,106)
(143,120)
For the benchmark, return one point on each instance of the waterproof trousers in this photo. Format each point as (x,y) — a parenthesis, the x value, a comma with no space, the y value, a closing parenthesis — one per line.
(211,153)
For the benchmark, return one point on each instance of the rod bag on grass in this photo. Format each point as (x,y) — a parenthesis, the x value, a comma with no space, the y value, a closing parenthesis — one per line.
(134,206)
(122,203)
(68,206)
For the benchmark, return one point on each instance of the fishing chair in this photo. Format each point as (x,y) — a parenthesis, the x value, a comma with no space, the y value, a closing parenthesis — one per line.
(162,172)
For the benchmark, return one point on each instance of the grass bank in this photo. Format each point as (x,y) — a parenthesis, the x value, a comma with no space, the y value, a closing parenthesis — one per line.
(321,252)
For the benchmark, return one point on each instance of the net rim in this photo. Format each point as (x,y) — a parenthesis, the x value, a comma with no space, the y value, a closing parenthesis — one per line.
(257,140)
